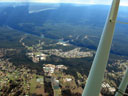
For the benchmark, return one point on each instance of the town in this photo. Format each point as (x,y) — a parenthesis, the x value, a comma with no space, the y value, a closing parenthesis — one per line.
(23,81)
(53,79)
(37,53)
(53,82)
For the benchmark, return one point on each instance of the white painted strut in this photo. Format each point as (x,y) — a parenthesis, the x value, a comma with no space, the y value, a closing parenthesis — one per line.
(96,75)
(123,85)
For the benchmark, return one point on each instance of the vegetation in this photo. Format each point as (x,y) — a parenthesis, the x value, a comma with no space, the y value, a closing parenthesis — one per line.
(76,25)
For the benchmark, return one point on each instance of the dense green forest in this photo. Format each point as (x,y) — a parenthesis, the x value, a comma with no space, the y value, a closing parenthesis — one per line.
(74,23)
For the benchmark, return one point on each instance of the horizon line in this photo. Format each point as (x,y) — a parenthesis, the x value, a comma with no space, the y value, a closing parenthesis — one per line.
(77,3)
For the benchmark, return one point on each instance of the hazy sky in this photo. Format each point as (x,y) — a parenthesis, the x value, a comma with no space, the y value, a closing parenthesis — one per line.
(123,2)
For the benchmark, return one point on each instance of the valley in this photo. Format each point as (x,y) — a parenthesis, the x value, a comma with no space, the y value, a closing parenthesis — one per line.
(50,52)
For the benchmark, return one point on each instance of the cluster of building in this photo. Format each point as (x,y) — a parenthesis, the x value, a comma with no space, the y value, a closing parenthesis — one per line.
(108,87)
(1,53)
(6,66)
(67,79)
(75,53)
(4,51)
(9,72)
(50,73)
(37,57)
(49,69)
(63,43)
(50,76)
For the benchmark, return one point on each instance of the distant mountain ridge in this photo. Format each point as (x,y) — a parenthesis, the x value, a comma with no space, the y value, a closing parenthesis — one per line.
(67,21)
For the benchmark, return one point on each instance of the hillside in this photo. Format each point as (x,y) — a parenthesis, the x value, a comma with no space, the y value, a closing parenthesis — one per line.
(40,37)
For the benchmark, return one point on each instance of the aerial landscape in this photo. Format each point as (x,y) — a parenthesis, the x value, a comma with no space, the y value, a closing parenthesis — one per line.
(47,49)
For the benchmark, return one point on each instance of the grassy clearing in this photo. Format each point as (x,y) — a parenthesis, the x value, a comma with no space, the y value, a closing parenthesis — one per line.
(33,84)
